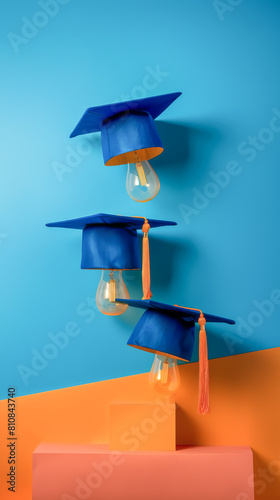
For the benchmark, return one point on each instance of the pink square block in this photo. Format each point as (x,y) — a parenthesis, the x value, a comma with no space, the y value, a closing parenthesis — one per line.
(73,472)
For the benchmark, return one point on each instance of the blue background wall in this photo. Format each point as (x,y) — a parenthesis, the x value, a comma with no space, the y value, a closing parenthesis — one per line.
(223,255)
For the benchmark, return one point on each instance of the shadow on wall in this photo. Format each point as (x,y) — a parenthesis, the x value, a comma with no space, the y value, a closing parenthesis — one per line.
(218,337)
(163,272)
(188,148)
(165,255)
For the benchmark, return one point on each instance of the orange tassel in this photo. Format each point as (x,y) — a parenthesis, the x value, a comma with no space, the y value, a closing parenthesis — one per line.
(146,276)
(203,397)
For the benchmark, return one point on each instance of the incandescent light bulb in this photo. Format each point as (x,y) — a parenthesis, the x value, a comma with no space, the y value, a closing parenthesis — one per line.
(142,183)
(111,286)
(164,375)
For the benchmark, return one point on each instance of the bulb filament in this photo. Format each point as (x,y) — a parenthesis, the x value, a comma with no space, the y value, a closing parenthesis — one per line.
(141,174)
(112,288)
(140,170)
(164,372)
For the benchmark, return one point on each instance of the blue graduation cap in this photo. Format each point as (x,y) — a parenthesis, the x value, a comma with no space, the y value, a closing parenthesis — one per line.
(127,127)
(110,243)
(169,331)
(129,136)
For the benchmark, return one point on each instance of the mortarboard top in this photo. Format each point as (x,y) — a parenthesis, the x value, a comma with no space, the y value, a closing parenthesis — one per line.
(165,329)
(93,118)
(175,310)
(110,220)
(110,241)
(128,132)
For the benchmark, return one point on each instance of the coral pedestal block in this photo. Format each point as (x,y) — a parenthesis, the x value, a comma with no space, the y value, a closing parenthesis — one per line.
(69,472)
(142,426)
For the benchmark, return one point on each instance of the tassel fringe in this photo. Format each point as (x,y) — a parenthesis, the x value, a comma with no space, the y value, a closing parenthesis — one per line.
(203,395)
(146,274)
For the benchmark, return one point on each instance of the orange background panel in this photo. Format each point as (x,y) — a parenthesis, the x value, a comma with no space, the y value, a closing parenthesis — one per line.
(68,472)
(142,426)
(245,411)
